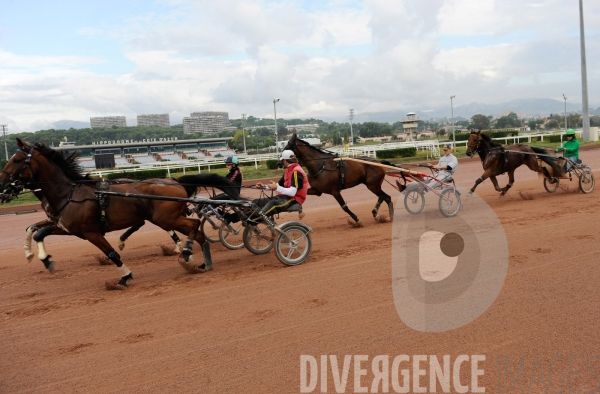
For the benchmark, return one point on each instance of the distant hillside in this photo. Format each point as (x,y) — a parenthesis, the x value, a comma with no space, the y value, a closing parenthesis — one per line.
(68,124)
(522,107)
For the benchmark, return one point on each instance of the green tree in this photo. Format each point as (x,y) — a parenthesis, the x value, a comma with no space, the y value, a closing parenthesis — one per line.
(552,124)
(480,122)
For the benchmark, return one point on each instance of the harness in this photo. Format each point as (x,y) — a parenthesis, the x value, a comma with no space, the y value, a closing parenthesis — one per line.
(504,152)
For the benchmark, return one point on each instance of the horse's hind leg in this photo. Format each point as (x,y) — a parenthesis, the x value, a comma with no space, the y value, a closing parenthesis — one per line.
(186,254)
(128,233)
(511,180)
(101,243)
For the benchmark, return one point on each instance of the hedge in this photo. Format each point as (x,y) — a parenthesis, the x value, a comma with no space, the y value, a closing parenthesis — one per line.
(272,164)
(552,138)
(400,152)
(138,175)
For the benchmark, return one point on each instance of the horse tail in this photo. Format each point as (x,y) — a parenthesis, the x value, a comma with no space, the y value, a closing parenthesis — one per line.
(191,182)
(550,161)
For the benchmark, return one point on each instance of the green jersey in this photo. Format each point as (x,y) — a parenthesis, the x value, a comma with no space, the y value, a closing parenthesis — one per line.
(571,148)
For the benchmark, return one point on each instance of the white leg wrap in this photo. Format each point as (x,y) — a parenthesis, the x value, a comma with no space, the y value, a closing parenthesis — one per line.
(27,245)
(178,247)
(41,251)
(124,270)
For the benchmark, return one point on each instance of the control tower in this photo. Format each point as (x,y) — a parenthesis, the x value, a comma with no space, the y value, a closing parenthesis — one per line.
(410,125)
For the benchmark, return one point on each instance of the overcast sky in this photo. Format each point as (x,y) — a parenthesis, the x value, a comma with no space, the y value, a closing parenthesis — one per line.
(72,59)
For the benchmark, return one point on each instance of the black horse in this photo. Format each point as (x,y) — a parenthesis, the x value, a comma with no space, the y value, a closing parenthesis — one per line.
(498,159)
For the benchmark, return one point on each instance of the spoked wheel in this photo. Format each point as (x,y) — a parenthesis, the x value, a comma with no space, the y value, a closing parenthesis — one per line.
(293,246)
(232,235)
(449,202)
(587,181)
(414,201)
(551,184)
(258,238)
(211,232)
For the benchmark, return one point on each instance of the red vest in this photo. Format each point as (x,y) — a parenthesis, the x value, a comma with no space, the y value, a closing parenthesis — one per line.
(287,181)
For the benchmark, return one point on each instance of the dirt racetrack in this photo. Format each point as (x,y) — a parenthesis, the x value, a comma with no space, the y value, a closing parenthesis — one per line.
(242,327)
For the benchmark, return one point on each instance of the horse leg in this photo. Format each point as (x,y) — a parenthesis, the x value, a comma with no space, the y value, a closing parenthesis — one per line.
(29,235)
(177,241)
(511,180)
(186,253)
(338,197)
(101,243)
(313,192)
(480,180)
(42,255)
(127,233)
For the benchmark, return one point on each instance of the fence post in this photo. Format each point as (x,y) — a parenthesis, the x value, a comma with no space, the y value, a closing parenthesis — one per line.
(168,172)
(255,164)
(199,168)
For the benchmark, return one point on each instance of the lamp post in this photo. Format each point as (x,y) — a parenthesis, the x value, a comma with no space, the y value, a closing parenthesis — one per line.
(452,111)
(584,89)
(565,111)
(244,132)
(4,127)
(351,133)
(276,135)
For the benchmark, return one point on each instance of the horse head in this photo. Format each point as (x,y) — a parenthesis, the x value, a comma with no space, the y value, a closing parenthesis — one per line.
(17,172)
(473,142)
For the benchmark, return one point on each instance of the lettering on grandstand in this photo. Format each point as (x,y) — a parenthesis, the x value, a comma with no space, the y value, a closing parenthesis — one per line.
(134,142)
(384,374)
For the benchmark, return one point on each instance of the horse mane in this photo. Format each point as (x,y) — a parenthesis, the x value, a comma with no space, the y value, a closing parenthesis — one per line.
(326,152)
(489,140)
(65,161)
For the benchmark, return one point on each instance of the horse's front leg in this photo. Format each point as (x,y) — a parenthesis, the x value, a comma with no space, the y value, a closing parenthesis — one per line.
(313,192)
(338,197)
(48,229)
(186,254)
(480,180)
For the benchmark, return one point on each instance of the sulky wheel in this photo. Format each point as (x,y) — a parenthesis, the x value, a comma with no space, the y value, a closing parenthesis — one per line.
(587,181)
(293,245)
(211,230)
(232,235)
(414,201)
(449,202)
(551,184)
(258,238)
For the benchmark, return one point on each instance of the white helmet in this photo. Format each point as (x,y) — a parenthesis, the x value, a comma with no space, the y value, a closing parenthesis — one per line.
(287,154)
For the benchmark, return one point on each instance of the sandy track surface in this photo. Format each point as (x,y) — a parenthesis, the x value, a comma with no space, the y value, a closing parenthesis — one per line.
(243,327)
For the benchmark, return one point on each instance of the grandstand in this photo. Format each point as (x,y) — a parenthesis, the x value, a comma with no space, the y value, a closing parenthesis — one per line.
(171,157)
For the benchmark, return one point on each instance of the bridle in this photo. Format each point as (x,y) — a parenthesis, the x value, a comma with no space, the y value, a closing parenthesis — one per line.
(16,184)
(293,146)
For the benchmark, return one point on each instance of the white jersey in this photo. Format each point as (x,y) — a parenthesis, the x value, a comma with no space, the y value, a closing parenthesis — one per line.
(449,160)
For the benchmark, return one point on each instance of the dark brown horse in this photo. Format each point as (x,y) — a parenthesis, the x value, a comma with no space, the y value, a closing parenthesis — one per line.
(325,175)
(72,199)
(498,159)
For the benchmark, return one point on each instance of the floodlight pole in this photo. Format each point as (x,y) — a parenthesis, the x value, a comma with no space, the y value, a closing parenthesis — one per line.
(584,96)
(244,132)
(452,111)
(565,111)
(4,127)
(351,133)
(276,134)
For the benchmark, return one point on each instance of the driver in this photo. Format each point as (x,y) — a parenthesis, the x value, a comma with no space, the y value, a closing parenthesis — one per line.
(234,175)
(290,189)
(445,167)
(571,149)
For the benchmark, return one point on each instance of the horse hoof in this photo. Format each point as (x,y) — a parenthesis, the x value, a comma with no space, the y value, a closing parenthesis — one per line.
(114,286)
(121,245)
(301,215)
(50,267)
(191,269)
(205,267)
(29,257)
(470,194)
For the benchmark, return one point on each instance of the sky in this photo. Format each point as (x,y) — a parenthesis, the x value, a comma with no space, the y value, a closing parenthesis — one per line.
(73,59)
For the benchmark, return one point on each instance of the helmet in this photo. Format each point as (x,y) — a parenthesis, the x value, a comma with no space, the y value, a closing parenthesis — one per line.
(570,132)
(287,154)
(232,160)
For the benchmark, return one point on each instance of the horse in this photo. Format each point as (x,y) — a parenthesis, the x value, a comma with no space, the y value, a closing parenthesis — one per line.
(331,177)
(498,159)
(72,200)
(40,230)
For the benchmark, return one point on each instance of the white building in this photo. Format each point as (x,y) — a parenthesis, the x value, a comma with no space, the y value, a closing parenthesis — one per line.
(108,121)
(161,120)
(208,122)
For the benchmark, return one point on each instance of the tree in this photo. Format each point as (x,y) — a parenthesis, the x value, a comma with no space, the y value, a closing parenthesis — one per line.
(480,122)
(508,121)
(552,124)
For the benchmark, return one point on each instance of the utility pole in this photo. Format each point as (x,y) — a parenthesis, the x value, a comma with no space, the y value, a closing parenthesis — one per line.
(4,127)
(244,132)
(351,133)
